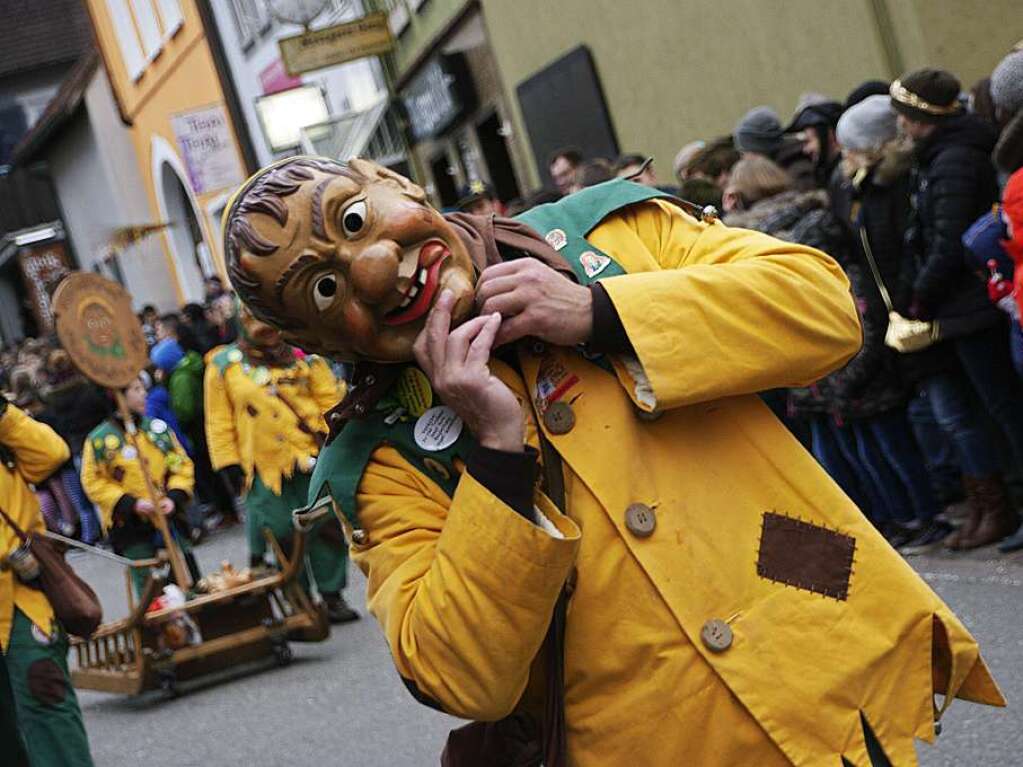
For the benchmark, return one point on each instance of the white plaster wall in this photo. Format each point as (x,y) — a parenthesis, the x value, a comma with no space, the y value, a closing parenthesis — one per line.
(96,173)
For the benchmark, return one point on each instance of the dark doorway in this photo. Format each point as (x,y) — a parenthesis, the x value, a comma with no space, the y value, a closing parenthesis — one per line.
(443,181)
(495,152)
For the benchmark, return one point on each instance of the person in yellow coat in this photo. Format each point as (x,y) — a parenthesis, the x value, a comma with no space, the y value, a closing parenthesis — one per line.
(34,644)
(264,424)
(726,603)
(112,478)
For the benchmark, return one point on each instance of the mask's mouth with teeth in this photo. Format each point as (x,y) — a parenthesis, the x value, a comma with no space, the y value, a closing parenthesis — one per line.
(419,296)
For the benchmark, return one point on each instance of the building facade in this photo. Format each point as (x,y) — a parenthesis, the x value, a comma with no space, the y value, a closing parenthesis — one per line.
(188,153)
(314,100)
(649,77)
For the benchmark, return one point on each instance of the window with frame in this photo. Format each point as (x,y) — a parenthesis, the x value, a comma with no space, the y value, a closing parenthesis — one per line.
(141,28)
(253,19)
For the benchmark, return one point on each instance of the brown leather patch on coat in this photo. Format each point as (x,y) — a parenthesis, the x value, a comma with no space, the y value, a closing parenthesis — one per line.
(806,556)
(117,473)
(46,682)
(251,410)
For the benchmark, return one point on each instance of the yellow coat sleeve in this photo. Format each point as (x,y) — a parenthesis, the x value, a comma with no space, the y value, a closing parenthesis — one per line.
(439,569)
(101,489)
(180,469)
(715,312)
(325,388)
(221,435)
(39,450)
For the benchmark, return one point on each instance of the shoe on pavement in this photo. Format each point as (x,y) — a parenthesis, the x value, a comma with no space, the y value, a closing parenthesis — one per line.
(899,535)
(930,538)
(1013,543)
(338,610)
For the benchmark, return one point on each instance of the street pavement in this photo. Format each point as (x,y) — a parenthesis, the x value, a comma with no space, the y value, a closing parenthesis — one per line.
(341,702)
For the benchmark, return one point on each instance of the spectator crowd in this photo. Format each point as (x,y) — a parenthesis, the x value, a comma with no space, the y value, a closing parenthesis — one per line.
(913,186)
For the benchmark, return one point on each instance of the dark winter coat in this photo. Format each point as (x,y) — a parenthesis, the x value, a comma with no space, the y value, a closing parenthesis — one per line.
(878,203)
(73,409)
(952,182)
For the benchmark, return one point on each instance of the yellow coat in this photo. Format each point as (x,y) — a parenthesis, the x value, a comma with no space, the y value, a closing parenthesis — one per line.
(464,587)
(110,468)
(38,452)
(249,425)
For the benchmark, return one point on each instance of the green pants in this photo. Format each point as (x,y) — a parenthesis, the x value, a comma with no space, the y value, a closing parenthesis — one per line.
(147,550)
(327,560)
(10,733)
(47,706)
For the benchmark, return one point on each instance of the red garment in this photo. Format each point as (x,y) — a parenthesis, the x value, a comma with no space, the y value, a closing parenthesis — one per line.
(1012,208)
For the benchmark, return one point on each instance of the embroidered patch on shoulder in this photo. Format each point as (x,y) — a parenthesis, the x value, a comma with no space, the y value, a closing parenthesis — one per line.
(806,556)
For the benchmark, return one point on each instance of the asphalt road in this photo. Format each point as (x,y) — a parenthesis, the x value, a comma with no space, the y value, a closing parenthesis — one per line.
(341,703)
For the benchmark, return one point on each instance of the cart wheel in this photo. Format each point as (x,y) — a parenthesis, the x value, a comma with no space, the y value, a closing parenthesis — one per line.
(283,654)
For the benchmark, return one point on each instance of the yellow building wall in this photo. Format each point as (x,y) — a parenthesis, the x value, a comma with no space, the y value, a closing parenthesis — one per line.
(182,77)
(678,70)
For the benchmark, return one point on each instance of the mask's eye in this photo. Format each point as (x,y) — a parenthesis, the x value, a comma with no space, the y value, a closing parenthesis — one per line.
(354,218)
(324,290)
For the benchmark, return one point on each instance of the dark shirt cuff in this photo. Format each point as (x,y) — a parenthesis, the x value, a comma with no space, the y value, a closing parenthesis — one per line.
(609,336)
(509,476)
(124,511)
(180,498)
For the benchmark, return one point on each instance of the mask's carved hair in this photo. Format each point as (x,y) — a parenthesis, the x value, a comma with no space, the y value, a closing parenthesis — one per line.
(265,195)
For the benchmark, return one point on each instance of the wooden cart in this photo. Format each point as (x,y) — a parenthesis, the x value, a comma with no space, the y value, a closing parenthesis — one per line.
(240,625)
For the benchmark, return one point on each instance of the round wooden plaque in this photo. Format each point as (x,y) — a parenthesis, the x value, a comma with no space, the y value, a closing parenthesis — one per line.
(99,330)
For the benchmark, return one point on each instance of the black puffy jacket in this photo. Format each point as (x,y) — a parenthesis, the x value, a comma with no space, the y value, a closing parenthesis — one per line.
(952,183)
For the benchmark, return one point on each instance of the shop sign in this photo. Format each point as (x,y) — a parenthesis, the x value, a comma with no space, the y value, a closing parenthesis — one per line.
(366,36)
(438,96)
(207,145)
(42,266)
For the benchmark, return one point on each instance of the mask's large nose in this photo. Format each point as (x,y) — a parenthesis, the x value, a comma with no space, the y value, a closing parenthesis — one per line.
(374,272)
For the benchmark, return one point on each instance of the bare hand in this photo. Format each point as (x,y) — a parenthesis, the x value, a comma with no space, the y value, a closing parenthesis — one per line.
(144,506)
(455,361)
(166,506)
(535,300)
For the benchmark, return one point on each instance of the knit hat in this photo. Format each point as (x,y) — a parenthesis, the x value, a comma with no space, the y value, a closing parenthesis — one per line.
(1007,84)
(865,89)
(868,125)
(758,131)
(927,95)
(166,354)
(814,110)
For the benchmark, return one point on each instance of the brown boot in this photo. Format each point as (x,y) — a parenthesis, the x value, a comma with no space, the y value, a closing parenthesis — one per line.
(997,520)
(970,520)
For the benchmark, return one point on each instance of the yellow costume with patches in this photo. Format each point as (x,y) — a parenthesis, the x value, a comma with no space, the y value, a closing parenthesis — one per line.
(37,452)
(251,414)
(111,470)
(760,621)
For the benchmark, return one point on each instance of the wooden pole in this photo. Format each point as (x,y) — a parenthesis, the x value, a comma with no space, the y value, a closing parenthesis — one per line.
(177,562)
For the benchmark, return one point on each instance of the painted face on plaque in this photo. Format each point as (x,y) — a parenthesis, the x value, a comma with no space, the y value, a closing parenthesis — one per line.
(345,259)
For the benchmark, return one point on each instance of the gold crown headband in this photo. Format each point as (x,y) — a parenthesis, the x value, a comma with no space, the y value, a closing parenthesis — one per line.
(903,95)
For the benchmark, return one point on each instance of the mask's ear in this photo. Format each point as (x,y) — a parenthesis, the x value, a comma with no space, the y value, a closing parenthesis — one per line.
(371,170)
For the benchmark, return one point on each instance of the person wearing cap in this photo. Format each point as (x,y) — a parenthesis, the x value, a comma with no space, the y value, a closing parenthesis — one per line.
(953,184)
(1007,95)
(33,643)
(722,602)
(264,426)
(759,131)
(813,124)
(872,200)
(478,199)
(112,477)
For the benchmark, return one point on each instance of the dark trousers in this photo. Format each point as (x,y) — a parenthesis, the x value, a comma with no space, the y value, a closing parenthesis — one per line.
(835,449)
(987,363)
(889,454)
(937,449)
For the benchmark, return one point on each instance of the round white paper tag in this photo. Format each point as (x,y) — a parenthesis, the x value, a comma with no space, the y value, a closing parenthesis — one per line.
(437,429)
